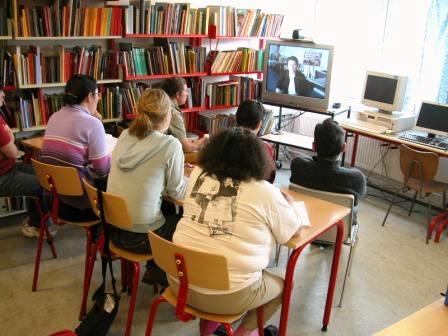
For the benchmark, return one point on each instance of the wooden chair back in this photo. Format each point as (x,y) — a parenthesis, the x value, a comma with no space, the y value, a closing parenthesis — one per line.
(346,200)
(205,270)
(116,210)
(191,157)
(418,164)
(65,179)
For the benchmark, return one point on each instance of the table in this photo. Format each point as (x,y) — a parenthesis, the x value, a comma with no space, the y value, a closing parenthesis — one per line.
(321,221)
(389,138)
(430,320)
(289,139)
(35,144)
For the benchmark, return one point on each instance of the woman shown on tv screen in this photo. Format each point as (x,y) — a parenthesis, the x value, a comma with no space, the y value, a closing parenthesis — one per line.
(294,82)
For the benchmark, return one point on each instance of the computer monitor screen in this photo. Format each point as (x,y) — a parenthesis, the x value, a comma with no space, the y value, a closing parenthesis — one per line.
(433,118)
(384,91)
(297,74)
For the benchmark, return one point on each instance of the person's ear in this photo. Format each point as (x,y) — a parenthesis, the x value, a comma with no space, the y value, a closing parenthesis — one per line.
(258,126)
(343,147)
(314,147)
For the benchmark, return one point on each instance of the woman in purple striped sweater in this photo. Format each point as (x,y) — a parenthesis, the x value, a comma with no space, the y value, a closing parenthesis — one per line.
(75,137)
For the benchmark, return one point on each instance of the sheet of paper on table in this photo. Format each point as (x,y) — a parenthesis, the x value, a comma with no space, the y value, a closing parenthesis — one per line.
(301,212)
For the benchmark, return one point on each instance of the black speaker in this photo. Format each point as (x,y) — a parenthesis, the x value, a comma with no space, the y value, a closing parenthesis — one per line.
(296,34)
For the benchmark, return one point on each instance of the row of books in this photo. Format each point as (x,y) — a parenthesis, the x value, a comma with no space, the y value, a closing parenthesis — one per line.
(250,88)
(176,58)
(5,18)
(70,19)
(223,93)
(166,18)
(230,21)
(111,103)
(268,123)
(58,64)
(240,60)
(7,70)
(35,107)
(213,123)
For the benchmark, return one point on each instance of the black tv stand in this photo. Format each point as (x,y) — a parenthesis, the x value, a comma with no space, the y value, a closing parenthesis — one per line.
(330,112)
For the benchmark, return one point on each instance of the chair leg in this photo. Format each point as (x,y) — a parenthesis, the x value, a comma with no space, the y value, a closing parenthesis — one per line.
(124,284)
(91,250)
(390,207)
(39,251)
(260,320)
(413,203)
(440,228)
(152,314)
(347,273)
(135,280)
(228,328)
(428,228)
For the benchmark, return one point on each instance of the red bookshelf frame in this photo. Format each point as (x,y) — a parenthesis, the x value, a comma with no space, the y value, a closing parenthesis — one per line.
(143,77)
(236,73)
(165,35)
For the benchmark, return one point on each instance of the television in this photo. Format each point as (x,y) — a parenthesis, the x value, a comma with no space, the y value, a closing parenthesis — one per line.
(297,74)
(384,91)
(433,119)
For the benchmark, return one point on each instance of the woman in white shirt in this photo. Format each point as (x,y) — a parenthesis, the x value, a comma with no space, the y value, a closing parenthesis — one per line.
(240,216)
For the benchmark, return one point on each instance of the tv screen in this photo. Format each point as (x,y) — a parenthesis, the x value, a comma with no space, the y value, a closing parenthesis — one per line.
(297,74)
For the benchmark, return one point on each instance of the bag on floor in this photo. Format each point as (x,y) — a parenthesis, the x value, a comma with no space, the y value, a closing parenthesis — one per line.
(99,319)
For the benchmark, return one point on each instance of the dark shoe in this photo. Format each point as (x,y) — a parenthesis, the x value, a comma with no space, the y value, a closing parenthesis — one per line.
(271,330)
(221,331)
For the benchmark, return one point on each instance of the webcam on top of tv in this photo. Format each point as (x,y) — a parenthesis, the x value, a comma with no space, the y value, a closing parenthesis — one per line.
(297,36)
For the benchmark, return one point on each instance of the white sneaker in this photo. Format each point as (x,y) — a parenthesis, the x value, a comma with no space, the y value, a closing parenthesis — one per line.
(32,231)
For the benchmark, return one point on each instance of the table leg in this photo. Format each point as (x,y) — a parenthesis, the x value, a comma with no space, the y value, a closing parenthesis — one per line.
(334,274)
(355,149)
(287,289)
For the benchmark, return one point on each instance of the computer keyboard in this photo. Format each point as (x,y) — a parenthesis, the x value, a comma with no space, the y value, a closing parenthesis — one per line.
(364,126)
(423,140)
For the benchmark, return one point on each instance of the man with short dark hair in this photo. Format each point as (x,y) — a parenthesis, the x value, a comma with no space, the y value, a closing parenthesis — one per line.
(176,88)
(250,115)
(324,171)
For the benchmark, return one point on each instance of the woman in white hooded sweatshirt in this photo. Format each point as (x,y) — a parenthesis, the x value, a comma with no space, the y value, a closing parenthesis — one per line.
(146,164)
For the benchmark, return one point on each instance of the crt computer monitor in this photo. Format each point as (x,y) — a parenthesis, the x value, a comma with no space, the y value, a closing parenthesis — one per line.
(384,91)
(310,67)
(433,119)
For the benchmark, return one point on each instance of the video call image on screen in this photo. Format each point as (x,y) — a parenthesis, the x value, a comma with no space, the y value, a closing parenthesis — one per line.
(307,67)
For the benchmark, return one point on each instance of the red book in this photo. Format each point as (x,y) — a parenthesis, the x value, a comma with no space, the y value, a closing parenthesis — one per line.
(98,21)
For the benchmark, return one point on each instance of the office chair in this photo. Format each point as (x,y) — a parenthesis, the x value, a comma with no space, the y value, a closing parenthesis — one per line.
(419,169)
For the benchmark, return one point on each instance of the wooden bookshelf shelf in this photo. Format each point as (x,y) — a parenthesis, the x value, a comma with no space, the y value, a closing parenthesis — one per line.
(52,38)
(15,130)
(6,37)
(104,121)
(165,35)
(34,128)
(109,81)
(144,77)
(40,86)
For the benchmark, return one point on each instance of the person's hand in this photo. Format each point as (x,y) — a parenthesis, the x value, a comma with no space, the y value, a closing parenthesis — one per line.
(288,198)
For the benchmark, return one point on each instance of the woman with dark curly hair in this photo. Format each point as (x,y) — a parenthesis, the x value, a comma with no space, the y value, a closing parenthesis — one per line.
(231,210)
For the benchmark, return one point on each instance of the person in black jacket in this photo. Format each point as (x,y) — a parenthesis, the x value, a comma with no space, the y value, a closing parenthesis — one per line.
(294,82)
(324,171)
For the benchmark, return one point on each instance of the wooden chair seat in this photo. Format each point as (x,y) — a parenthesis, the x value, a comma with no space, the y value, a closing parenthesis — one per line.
(172,299)
(427,186)
(134,257)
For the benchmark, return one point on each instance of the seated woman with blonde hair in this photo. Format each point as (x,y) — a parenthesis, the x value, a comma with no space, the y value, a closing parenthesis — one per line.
(146,164)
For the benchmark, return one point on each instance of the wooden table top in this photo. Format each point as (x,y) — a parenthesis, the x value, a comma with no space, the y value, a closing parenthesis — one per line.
(33,143)
(322,214)
(431,320)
